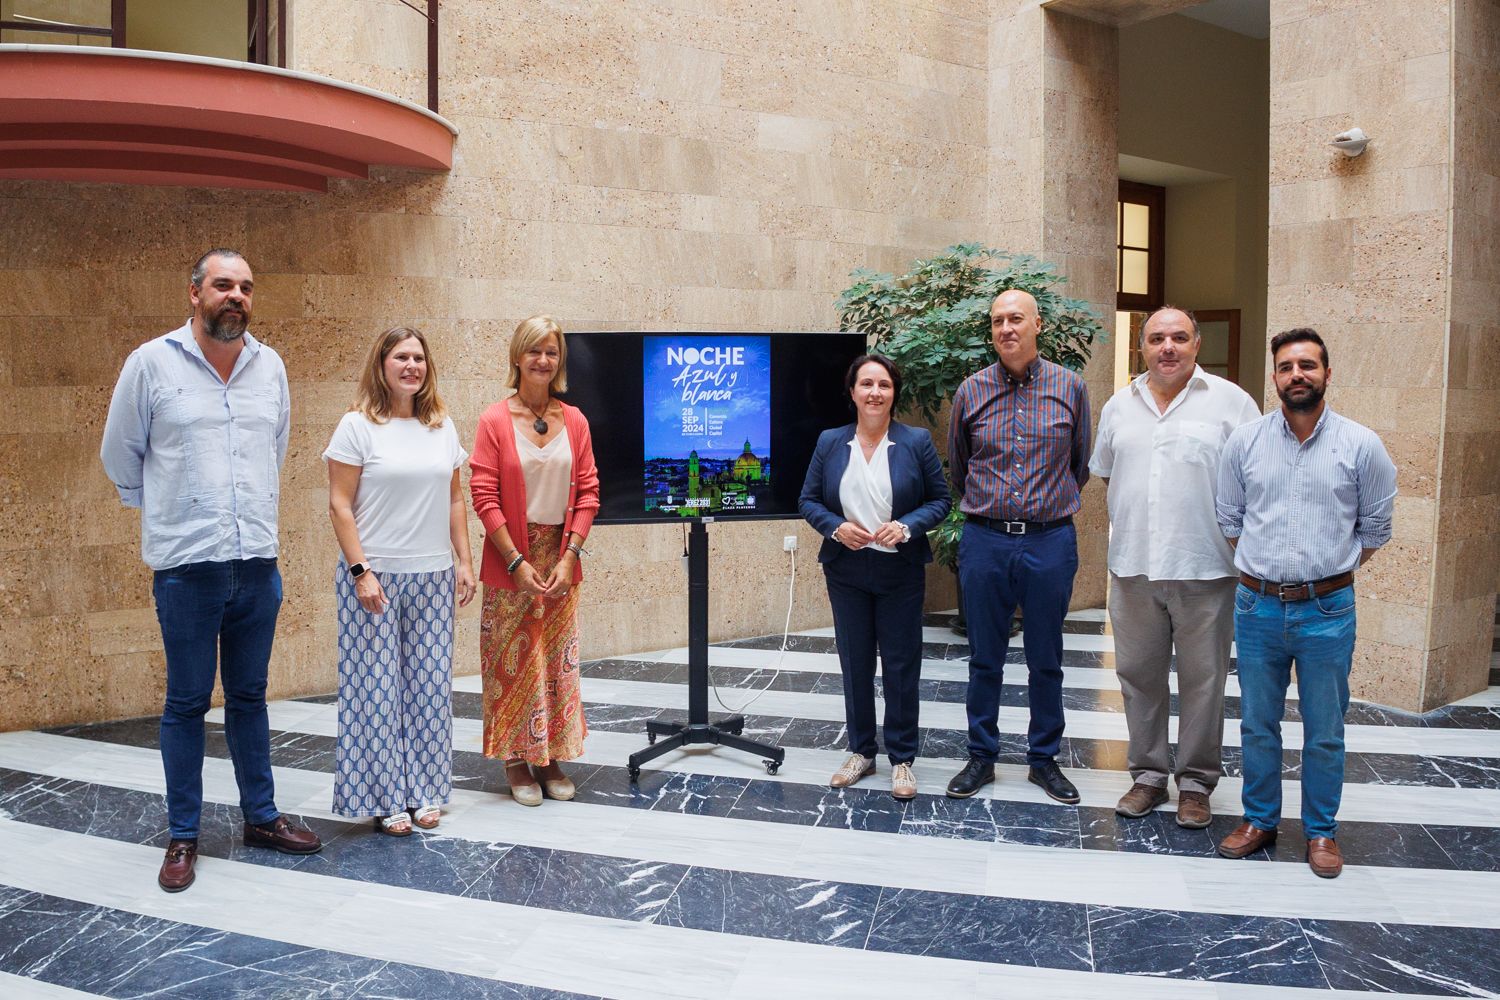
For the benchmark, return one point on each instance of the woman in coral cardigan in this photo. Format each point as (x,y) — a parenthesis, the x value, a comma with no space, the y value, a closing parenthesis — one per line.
(536,490)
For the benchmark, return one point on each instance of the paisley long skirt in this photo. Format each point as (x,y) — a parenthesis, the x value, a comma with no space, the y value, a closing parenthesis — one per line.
(528,652)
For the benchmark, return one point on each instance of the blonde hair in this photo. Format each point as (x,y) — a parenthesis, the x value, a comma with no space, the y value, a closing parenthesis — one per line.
(374,398)
(530,333)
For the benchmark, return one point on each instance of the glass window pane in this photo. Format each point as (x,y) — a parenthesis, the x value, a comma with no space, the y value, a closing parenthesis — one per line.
(1136,226)
(1133,279)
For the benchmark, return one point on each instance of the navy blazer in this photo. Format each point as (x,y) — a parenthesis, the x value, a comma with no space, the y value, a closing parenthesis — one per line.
(919,492)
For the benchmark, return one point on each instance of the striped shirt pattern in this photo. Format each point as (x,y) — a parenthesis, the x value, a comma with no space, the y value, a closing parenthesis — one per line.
(1303,510)
(1018,449)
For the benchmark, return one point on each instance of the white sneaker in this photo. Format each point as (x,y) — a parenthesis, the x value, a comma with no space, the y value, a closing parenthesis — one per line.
(856,767)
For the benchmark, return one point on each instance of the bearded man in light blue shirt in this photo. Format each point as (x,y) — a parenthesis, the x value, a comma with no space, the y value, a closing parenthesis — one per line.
(1305,497)
(195,438)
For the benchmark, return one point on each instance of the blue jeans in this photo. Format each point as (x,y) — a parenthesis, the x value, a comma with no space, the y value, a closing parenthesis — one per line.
(217,617)
(999,572)
(1318,635)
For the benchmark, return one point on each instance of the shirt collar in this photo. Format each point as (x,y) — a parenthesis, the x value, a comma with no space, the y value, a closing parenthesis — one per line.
(1031,371)
(1140,385)
(1317,428)
(183,338)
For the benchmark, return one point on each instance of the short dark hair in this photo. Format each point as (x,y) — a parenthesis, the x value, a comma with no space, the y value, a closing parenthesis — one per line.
(1197,334)
(1296,334)
(201,267)
(852,376)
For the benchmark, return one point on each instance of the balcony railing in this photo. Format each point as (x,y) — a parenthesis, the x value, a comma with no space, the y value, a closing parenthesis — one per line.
(265,44)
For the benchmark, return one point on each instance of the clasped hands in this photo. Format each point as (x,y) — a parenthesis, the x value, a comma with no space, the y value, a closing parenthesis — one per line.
(554,584)
(852,536)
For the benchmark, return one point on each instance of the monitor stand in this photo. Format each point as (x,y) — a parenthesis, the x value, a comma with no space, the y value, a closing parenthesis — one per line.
(698,730)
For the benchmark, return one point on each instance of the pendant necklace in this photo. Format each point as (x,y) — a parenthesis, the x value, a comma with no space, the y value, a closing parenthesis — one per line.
(539,425)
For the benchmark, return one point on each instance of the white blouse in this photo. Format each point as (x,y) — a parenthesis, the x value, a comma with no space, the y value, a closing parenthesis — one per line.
(548,471)
(865,490)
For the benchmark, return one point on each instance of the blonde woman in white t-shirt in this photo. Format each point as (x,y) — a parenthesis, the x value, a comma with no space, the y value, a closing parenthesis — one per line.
(402,528)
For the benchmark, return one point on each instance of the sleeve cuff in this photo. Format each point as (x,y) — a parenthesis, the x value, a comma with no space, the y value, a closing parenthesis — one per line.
(492,519)
(130,497)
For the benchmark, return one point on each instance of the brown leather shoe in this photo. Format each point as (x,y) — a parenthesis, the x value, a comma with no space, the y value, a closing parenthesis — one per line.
(1246,839)
(1193,810)
(1324,857)
(177,870)
(1141,799)
(283,835)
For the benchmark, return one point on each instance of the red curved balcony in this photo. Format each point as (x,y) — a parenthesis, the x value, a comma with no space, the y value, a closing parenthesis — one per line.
(123,116)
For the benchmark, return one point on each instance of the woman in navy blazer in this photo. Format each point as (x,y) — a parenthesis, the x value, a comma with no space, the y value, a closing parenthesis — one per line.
(873,490)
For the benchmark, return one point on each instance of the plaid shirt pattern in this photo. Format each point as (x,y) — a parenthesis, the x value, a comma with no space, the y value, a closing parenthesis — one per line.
(1018,449)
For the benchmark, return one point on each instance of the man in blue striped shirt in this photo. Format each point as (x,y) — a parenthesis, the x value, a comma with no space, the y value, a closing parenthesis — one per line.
(195,437)
(1305,497)
(1018,449)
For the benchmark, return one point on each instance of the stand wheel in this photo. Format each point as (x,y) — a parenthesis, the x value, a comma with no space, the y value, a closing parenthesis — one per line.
(650,739)
(635,774)
(772,766)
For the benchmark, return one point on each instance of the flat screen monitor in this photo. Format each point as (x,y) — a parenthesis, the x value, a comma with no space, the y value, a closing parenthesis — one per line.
(694,425)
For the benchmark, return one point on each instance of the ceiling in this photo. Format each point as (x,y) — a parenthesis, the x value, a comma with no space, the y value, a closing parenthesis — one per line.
(1245,17)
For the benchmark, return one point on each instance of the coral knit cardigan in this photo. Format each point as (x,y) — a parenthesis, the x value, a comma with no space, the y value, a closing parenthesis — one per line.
(499,490)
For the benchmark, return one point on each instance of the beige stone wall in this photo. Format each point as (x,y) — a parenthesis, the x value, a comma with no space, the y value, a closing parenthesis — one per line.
(1466,563)
(622,165)
(1390,256)
(1053,114)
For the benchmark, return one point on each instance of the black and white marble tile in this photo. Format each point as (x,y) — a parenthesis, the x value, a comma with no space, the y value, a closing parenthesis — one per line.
(982,929)
(622,888)
(1211,946)
(769,906)
(1402,958)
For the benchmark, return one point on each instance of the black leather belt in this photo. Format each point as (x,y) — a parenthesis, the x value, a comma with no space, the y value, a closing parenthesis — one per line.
(1017,527)
(1299,591)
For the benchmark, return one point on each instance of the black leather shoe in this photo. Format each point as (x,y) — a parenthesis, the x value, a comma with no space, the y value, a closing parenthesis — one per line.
(283,835)
(1050,777)
(975,775)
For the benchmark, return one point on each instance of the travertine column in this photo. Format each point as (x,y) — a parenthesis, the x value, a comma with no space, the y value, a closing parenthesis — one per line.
(1053,171)
(1389,255)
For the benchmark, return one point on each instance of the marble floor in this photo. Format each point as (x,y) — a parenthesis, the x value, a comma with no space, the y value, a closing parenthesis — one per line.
(711,877)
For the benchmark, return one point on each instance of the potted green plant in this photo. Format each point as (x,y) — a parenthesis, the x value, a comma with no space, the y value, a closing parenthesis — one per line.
(934,322)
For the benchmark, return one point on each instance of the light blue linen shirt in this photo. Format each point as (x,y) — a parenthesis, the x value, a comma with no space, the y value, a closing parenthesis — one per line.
(1302,511)
(199,456)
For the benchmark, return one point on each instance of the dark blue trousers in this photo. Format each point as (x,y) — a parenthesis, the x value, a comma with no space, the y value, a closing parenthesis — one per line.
(877,603)
(999,572)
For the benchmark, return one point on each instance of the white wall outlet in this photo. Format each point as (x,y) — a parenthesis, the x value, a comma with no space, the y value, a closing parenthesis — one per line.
(789,543)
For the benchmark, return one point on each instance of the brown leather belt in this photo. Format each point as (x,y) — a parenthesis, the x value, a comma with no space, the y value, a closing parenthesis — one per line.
(1299,591)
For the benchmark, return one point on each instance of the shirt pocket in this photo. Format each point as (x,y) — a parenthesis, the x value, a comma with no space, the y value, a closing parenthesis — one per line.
(1196,443)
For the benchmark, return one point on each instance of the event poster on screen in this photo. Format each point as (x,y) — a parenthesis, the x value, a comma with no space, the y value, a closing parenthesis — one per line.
(708,423)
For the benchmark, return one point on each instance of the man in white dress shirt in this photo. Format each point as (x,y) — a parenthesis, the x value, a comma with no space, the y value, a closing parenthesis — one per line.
(1171,571)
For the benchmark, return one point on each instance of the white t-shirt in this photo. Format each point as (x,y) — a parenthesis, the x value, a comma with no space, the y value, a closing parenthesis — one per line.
(1163,469)
(402,504)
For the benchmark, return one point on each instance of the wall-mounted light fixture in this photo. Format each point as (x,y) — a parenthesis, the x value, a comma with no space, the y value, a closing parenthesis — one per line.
(1352,142)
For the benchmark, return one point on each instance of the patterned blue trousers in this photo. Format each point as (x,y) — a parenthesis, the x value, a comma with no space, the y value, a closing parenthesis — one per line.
(395,744)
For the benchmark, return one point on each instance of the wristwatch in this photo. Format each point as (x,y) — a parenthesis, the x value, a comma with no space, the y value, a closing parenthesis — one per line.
(358,570)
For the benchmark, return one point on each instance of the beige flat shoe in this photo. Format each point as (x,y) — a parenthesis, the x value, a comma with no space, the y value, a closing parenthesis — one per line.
(523,787)
(903,783)
(856,767)
(560,787)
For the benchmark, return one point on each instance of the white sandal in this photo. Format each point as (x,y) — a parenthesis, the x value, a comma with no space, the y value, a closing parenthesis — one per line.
(394,825)
(427,817)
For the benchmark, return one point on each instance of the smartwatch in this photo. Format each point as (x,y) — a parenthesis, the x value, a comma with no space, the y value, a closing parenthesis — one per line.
(358,570)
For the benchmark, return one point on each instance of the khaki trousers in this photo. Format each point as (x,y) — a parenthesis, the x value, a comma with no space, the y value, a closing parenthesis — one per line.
(1148,618)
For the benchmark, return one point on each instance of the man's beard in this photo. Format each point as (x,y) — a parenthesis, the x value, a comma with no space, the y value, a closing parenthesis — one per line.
(226,325)
(1307,403)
